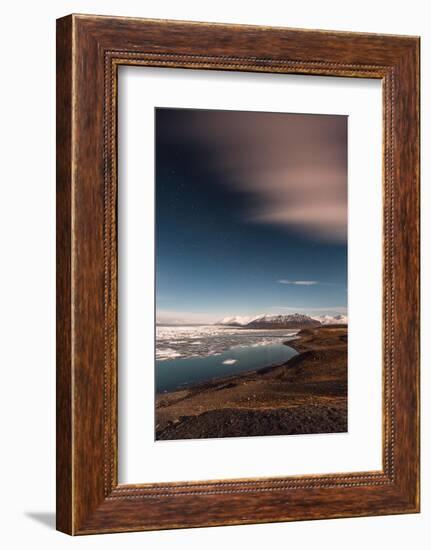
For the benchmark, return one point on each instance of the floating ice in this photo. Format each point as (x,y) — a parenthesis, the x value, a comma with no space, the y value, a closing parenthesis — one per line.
(174,342)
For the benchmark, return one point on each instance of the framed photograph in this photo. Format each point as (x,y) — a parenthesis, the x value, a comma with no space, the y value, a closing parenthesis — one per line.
(237,274)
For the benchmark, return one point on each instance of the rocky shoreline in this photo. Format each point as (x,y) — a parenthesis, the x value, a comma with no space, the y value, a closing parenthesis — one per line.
(307,394)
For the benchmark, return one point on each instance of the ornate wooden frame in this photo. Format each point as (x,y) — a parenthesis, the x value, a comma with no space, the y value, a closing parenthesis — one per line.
(89,51)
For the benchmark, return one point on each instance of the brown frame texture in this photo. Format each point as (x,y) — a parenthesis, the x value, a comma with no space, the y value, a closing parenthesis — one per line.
(89,51)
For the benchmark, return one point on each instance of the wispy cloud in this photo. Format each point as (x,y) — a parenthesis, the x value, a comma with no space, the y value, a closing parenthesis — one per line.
(293,167)
(300,283)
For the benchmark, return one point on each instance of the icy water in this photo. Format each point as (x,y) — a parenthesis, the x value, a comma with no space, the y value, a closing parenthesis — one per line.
(187,355)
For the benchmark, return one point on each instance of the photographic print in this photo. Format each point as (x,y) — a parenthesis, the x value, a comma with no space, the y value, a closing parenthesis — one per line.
(251,274)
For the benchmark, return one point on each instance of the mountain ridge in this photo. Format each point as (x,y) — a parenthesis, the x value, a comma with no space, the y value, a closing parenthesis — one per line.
(291,320)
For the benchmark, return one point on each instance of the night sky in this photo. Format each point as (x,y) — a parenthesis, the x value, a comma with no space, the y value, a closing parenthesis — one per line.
(251,214)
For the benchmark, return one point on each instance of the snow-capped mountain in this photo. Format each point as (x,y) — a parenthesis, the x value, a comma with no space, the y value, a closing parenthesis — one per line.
(293,321)
(238,321)
(332,319)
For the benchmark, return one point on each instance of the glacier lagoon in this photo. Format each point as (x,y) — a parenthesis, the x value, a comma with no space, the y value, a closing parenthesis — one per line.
(187,355)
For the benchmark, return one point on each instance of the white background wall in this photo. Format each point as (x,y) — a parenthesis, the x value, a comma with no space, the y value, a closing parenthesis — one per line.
(27,244)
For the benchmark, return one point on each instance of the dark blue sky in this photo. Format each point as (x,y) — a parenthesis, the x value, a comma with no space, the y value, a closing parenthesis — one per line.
(251,213)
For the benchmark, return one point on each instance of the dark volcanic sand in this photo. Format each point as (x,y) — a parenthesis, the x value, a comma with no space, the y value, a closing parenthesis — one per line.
(307,394)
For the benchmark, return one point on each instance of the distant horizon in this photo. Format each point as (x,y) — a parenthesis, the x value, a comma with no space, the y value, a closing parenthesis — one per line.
(183,322)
